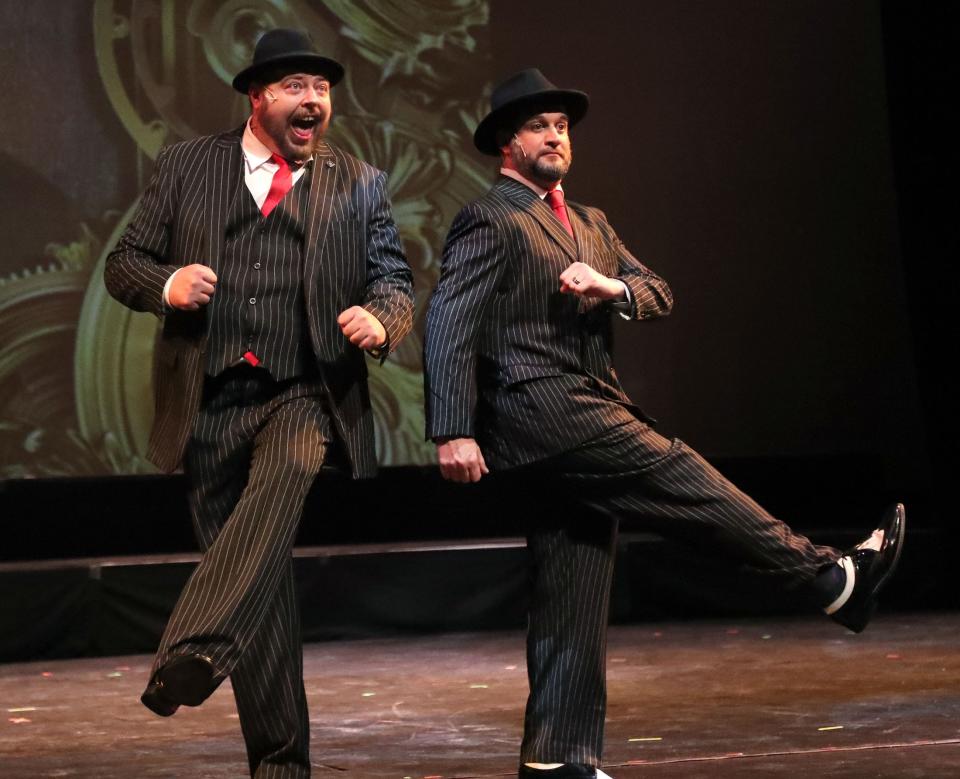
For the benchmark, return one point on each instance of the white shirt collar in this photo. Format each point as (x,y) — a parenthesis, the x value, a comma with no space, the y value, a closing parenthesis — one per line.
(541,192)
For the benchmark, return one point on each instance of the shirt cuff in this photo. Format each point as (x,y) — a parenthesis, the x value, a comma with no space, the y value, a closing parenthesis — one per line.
(166,289)
(624,307)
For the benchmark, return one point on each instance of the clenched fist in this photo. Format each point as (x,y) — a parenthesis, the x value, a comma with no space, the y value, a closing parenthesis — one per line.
(191,287)
(581,279)
(362,328)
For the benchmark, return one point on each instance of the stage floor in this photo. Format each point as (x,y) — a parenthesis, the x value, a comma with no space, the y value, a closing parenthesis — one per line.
(764,698)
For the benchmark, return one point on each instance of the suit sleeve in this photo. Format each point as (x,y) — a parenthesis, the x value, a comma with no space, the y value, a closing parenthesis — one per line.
(389,291)
(138,267)
(651,296)
(473,265)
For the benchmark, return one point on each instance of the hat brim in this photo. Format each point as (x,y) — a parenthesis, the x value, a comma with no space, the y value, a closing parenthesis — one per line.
(305,61)
(571,101)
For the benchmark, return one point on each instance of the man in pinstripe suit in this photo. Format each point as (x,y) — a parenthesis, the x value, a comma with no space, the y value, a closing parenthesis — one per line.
(518,375)
(273,261)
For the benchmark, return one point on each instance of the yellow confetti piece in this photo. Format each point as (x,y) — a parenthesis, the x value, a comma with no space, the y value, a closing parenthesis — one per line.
(505,668)
(22,708)
(114,675)
(479,686)
(831,727)
(649,738)
(367,694)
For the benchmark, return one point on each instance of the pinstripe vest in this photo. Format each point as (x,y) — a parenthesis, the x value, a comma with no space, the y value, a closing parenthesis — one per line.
(259,304)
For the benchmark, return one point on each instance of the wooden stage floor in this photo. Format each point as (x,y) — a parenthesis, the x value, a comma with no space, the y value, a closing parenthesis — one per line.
(750,698)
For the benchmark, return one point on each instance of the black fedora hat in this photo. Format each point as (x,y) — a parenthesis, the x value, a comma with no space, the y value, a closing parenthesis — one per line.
(287,48)
(518,98)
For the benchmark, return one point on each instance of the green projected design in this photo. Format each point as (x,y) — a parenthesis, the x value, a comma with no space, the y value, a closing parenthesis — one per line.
(75,366)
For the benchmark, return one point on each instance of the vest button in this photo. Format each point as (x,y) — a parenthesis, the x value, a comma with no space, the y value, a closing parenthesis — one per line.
(253,301)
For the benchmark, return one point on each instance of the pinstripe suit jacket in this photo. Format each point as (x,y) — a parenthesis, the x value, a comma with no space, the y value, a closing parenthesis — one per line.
(352,256)
(508,359)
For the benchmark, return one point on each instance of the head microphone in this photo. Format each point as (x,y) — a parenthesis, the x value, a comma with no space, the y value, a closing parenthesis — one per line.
(522,150)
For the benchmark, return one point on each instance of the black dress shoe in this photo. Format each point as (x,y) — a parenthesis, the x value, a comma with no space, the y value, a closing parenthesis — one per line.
(186,680)
(155,700)
(566,771)
(872,570)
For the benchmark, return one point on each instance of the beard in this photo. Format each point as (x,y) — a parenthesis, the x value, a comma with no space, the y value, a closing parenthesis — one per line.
(543,169)
(280,130)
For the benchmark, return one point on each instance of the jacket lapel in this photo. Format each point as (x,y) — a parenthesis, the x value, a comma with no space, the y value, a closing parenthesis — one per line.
(523,197)
(322,187)
(582,235)
(224,172)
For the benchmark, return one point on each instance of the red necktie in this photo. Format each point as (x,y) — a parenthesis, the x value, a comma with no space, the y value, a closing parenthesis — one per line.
(282,181)
(554,199)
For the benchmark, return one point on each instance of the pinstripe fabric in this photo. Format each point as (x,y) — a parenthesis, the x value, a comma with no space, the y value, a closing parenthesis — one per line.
(352,256)
(498,329)
(571,572)
(256,449)
(251,445)
(259,303)
(527,371)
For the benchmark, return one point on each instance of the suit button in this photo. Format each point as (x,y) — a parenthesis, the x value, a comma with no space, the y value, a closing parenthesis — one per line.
(256,266)
(253,301)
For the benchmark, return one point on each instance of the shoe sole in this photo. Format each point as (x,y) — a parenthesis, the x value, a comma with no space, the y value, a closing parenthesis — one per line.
(902,511)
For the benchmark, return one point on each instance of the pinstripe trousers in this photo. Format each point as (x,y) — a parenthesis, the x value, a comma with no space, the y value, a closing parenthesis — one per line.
(631,474)
(256,448)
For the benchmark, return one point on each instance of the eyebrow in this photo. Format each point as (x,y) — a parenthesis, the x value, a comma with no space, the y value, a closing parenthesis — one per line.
(305,77)
(543,118)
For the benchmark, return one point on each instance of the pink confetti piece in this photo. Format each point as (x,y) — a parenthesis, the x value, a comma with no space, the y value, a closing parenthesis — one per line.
(893,656)
(19,720)
(47,674)
(732,631)
(657,634)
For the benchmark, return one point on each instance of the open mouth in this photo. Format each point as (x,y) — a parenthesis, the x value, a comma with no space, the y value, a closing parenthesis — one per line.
(303,126)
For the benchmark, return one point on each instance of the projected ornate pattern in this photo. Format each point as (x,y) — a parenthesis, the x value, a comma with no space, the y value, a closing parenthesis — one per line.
(415,88)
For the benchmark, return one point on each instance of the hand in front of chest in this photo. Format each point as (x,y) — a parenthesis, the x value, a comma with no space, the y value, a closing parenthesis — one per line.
(461,460)
(581,279)
(191,287)
(362,328)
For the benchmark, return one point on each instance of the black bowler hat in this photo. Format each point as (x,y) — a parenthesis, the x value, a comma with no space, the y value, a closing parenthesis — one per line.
(517,99)
(287,49)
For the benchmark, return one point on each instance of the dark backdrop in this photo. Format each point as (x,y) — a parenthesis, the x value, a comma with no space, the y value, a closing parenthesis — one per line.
(789,168)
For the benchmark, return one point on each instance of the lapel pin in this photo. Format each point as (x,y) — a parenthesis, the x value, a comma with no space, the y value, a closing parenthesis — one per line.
(329,164)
